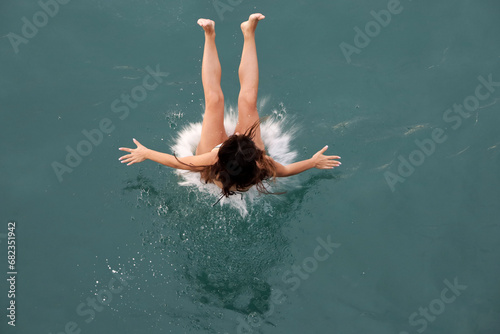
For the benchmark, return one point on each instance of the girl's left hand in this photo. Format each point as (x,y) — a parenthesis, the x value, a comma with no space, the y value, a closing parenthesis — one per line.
(325,161)
(136,155)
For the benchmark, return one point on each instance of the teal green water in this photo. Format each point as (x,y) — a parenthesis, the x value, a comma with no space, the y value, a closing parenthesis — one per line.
(354,250)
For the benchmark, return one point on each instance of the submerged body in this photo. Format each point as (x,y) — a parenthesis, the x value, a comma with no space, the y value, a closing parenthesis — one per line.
(237,162)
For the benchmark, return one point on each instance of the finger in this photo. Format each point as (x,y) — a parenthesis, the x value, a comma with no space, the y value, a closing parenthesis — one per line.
(126,160)
(136,142)
(323,149)
(125,157)
(333,157)
(125,149)
(131,163)
(331,160)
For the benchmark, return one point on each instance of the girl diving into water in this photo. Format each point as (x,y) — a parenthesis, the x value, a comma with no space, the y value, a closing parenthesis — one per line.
(237,162)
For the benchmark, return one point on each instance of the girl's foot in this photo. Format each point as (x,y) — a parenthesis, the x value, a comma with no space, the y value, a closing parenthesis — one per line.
(207,25)
(248,27)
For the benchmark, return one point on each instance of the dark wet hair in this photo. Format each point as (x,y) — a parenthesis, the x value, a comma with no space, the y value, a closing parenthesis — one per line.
(240,163)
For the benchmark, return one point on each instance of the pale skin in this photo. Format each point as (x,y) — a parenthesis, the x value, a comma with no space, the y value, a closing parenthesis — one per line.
(213,131)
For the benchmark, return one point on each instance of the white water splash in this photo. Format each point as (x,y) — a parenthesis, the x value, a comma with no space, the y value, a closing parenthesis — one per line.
(276,134)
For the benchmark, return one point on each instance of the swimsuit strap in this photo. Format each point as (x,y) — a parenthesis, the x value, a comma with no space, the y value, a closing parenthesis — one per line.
(222,195)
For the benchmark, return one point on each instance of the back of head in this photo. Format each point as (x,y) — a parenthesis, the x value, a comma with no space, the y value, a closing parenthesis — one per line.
(241,164)
(237,162)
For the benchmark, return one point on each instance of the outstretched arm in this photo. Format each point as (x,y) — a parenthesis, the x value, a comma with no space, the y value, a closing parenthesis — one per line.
(142,153)
(318,160)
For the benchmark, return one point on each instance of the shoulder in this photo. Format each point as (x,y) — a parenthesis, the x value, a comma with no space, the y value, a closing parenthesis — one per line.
(269,159)
(200,160)
(280,169)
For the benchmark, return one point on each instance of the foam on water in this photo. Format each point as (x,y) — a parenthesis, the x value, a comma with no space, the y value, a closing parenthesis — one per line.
(276,134)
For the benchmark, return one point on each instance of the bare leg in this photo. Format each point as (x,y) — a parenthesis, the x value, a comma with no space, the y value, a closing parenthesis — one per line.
(212,131)
(249,80)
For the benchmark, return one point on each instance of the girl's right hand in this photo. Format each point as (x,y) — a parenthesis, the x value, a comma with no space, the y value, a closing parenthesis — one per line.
(136,155)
